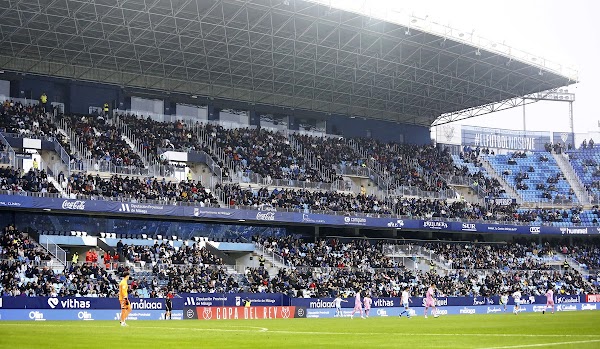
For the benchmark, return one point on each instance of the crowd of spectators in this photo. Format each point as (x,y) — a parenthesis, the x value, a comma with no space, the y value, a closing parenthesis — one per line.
(35,181)
(136,188)
(24,271)
(509,256)
(103,142)
(188,269)
(323,268)
(302,199)
(25,120)
(326,253)
(586,254)
(263,152)
(155,135)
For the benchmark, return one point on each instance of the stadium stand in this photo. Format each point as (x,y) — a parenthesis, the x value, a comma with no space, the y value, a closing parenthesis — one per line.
(536,176)
(34,181)
(102,142)
(125,187)
(586,163)
(318,269)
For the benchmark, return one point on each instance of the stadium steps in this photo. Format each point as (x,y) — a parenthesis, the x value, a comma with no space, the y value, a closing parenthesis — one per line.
(58,187)
(572,178)
(311,158)
(510,191)
(272,258)
(137,151)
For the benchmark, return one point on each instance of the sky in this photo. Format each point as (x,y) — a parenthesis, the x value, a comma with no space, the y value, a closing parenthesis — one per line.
(562,31)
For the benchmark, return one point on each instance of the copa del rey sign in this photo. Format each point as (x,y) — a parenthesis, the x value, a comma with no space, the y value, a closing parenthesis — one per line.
(243,313)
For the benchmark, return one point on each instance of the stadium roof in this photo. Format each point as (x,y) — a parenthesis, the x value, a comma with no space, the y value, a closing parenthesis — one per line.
(325,56)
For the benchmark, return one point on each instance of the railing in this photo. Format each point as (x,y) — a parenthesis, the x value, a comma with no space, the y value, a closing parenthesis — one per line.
(41,263)
(159,117)
(269,252)
(75,141)
(416,191)
(137,144)
(309,157)
(56,251)
(489,168)
(7,156)
(572,175)
(296,210)
(87,165)
(23,101)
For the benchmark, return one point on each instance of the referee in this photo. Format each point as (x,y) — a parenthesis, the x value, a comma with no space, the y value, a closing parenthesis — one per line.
(168,305)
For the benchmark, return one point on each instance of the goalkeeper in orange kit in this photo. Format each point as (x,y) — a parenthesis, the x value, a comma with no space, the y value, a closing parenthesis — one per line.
(123,298)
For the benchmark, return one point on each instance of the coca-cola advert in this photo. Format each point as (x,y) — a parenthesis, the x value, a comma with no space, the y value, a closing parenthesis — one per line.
(73,205)
(265,216)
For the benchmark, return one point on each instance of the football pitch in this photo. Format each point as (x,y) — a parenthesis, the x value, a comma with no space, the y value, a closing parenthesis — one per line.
(526,330)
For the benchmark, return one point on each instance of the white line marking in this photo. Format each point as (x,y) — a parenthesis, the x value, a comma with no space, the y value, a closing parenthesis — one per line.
(545,344)
(264,329)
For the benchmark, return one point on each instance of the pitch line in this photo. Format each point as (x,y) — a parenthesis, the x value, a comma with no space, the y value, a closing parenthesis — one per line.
(264,329)
(544,344)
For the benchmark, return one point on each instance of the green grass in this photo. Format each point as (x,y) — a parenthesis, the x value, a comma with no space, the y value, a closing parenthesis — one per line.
(527,330)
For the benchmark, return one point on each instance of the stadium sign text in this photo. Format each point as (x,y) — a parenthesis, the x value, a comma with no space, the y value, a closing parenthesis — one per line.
(244,313)
(435,225)
(78,205)
(265,216)
(574,231)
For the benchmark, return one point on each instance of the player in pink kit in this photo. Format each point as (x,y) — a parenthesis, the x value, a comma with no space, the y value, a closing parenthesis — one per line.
(357,306)
(430,300)
(549,301)
(367,302)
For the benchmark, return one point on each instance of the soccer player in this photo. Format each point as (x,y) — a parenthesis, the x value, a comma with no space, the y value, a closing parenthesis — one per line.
(549,301)
(517,297)
(504,300)
(123,298)
(338,306)
(430,301)
(405,298)
(357,306)
(168,305)
(367,301)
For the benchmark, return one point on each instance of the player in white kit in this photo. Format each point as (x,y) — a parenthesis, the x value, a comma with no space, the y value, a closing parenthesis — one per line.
(337,302)
(517,298)
(504,300)
(405,299)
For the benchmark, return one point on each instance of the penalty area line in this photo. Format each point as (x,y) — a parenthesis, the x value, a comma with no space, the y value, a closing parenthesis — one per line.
(544,344)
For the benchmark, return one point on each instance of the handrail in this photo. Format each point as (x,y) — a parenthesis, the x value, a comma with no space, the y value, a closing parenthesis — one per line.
(8,154)
(274,255)
(55,250)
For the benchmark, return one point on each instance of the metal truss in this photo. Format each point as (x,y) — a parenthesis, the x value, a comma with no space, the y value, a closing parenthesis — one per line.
(290,53)
(554,94)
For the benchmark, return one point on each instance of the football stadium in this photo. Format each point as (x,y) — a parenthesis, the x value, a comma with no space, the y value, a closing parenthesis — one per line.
(286,174)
